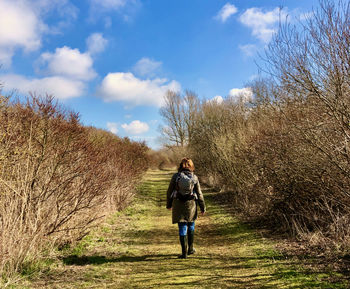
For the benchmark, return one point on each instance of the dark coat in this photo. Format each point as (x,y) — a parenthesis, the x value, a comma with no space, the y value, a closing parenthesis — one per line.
(184,211)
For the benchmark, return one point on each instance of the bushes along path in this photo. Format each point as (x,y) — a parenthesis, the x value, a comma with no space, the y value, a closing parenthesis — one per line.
(138,248)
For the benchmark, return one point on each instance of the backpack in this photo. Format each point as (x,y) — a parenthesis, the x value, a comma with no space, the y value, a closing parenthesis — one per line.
(185,183)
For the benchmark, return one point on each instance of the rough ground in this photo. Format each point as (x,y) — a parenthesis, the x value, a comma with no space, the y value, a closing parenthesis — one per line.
(138,248)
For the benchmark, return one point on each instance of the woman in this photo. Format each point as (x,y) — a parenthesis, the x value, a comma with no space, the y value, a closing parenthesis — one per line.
(183,194)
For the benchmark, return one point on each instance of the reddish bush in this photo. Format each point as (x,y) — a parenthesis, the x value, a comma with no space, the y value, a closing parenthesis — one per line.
(57,177)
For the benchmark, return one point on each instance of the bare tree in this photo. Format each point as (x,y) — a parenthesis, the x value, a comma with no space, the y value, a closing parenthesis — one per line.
(179,114)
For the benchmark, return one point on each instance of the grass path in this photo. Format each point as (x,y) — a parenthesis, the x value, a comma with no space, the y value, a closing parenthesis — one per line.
(138,248)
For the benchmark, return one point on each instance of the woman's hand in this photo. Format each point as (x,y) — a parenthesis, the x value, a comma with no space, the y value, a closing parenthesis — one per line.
(169,209)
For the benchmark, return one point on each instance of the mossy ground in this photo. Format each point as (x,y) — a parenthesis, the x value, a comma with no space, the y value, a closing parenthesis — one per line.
(138,248)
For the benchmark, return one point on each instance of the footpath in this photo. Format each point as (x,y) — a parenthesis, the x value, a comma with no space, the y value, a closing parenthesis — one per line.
(138,248)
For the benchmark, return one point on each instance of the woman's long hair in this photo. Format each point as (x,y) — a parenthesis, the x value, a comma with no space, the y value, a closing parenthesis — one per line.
(186,164)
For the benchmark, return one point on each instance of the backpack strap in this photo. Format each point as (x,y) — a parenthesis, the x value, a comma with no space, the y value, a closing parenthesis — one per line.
(195,181)
(177,181)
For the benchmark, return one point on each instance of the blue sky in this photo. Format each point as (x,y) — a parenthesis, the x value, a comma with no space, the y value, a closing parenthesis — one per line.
(113,60)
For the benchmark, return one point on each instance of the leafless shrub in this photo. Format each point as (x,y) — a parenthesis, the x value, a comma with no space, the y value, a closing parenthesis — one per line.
(311,69)
(56,177)
(126,160)
(165,158)
(218,139)
(286,156)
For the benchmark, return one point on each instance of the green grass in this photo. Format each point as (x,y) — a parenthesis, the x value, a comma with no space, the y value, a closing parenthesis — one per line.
(138,248)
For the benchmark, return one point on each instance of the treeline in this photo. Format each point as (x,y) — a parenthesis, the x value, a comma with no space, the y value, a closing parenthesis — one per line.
(284,156)
(57,178)
(166,158)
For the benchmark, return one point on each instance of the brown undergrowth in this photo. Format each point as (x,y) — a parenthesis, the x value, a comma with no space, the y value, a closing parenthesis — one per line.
(314,257)
(58,179)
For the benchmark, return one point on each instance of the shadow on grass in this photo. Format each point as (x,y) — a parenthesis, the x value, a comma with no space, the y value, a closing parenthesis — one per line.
(98,260)
(159,263)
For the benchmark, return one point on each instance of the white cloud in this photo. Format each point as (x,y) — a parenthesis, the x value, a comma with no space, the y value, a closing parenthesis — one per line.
(112,127)
(248,49)
(263,24)
(226,11)
(147,67)
(126,87)
(57,86)
(66,70)
(245,94)
(69,62)
(22,25)
(108,4)
(217,99)
(96,43)
(125,8)
(64,8)
(135,127)
(6,56)
(19,28)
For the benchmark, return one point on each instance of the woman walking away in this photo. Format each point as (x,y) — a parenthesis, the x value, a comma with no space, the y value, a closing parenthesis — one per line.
(183,195)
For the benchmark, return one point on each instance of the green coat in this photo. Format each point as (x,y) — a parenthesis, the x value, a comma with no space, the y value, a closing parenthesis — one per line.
(184,211)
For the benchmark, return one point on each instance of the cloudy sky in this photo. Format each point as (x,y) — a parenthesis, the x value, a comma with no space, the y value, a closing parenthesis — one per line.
(113,60)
